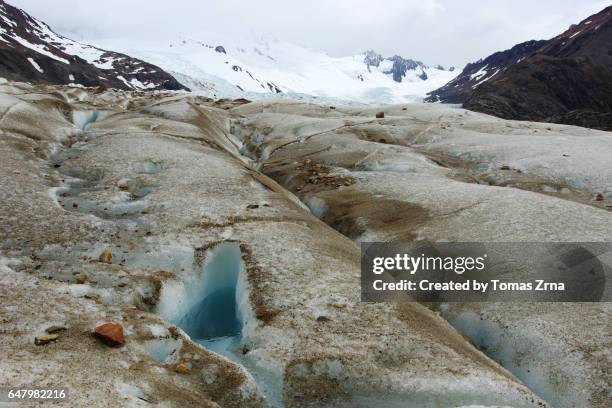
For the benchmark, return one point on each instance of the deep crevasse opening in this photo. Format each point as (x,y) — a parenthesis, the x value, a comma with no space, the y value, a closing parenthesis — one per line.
(206,303)
(512,353)
(212,306)
(215,315)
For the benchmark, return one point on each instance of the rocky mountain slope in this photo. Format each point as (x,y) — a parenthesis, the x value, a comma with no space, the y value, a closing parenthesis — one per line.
(31,51)
(567,79)
(461,88)
(261,66)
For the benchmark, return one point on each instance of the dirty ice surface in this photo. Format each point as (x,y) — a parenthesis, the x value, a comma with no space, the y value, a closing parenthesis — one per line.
(151,218)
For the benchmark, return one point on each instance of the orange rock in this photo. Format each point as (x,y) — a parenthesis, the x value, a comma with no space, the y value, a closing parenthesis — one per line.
(123,186)
(82,257)
(111,334)
(131,246)
(81,278)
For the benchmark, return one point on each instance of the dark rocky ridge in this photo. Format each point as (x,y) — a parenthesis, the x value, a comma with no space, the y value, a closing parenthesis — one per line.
(30,51)
(462,87)
(568,80)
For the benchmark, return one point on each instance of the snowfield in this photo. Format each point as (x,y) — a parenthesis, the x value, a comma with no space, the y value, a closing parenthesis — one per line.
(260,66)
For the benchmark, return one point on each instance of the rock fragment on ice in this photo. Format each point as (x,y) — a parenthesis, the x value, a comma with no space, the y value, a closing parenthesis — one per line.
(45,338)
(111,334)
(181,368)
(55,329)
(106,256)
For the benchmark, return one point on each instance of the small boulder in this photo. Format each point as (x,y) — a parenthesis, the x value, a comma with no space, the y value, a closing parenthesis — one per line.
(106,256)
(111,334)
(45,338)
(599,197)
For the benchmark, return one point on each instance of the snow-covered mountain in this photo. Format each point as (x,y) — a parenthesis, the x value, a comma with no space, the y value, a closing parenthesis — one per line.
(31,51)
(215,65)
(255,66)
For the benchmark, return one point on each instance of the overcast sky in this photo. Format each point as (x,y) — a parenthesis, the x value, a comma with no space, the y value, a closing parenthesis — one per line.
(448,32)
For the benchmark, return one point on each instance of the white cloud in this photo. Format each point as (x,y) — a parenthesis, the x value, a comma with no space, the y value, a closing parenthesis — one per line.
(449,32)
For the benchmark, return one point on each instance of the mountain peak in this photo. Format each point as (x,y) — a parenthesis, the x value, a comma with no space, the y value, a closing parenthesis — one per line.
(372,58)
